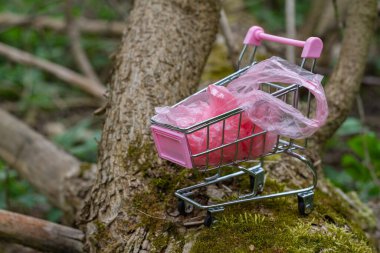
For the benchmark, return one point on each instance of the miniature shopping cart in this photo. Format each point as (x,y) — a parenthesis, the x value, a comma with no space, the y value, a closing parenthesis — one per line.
(172,142)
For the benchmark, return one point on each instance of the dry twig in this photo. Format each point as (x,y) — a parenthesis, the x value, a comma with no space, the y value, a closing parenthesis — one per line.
(65,74)
(97,27)
(75,45)
(228,38)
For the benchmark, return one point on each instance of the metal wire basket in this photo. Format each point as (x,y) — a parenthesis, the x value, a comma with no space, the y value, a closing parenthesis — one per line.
(172,142)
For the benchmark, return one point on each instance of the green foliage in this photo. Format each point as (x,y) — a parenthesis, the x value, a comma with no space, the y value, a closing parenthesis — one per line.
(361,156)
(350,126)
(35,89)
(271,14)
(80,140)
(40,97)
(17,194)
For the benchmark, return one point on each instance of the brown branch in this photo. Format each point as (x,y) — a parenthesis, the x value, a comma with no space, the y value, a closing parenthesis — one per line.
(371,80)
(50,170)
(225,29)
(331,17)
(75,45)
(59,71)
(313,16)
(346,78)
(8,247)
(39,234)
(97,27)
(367,80)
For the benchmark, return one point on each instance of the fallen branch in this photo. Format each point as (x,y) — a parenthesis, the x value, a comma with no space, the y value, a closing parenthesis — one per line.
(317,9)
(97,27)
(39,234)
(50,170)
(371,80)
(76,48)
(65,74)
(8,247)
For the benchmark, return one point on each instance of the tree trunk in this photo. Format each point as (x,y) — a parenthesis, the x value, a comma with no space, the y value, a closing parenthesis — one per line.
(162,55)
(348,72)
(159,62)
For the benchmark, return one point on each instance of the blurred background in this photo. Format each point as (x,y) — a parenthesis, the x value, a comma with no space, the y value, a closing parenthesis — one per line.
(41,41)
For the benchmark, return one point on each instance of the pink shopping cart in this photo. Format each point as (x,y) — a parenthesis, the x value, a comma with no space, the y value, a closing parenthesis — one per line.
(172,142)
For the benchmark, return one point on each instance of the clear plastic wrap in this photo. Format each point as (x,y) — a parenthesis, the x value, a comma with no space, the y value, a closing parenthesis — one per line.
(271,113)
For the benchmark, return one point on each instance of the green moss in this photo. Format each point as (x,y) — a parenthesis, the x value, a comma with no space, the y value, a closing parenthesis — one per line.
(83,168)
(100,229)
(360,216)
(272,225)
(275,226)
(100,235)
(160,242)
(150,205)
(135,152)
(363,213)
(218,65)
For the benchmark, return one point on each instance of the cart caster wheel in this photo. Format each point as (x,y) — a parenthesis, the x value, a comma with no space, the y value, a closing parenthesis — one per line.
(305,202)
(257,183)
(184,208)
(208,220)
(259,188)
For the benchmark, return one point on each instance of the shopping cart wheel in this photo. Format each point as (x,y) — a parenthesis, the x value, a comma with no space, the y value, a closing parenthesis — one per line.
(257,181)
(256,188)
(209,219)
(305,202)
(184,208)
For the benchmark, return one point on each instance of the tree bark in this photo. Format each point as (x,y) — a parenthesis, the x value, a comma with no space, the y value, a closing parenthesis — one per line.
(159,62)
(313,17)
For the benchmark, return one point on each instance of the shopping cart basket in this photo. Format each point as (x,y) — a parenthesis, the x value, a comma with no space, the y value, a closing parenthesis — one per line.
(172,142)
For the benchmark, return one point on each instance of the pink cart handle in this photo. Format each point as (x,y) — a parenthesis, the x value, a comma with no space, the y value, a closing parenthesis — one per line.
(312,47)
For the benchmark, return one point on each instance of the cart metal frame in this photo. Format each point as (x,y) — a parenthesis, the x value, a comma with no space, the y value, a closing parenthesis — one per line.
(288,93)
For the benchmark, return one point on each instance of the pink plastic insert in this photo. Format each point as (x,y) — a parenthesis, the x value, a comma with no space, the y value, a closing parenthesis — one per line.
(172,145)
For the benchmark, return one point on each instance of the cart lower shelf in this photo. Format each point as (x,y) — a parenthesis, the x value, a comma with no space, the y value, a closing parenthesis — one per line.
(256,175)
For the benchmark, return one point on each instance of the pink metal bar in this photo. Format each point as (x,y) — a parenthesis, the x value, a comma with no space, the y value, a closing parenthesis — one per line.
(312,47)
(281,40)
